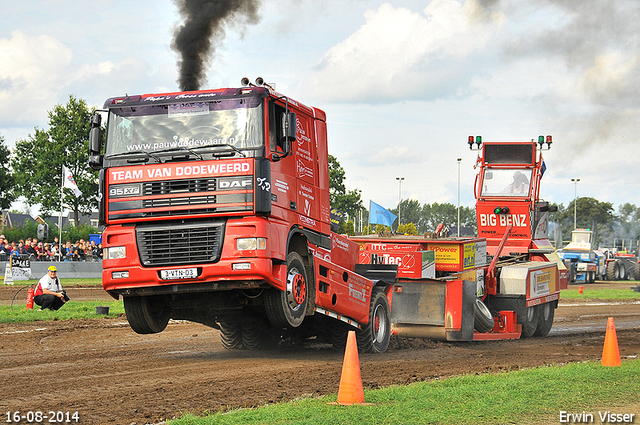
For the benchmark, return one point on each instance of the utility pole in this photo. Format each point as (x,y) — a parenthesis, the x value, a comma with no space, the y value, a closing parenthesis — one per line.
(575,204)
(399,198)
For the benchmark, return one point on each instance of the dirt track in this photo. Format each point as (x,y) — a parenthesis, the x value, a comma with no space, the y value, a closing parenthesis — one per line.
(110,375)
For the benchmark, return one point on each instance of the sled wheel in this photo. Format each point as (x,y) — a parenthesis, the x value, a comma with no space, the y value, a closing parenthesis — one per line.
(483,319)
(146,315)
(545,318)
(374,336)
(529,321)
(287,308)
(231,334)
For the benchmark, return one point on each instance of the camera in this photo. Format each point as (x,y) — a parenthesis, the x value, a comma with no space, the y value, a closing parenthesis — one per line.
(65,296)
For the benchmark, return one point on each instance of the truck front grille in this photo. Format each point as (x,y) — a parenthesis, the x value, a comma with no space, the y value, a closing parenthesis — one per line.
(177,244)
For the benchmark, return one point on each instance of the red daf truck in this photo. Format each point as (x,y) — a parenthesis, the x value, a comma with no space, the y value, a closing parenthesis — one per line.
(216,210)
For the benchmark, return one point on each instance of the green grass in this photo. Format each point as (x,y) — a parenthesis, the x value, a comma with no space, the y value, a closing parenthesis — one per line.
(600,294)
(71,310)
(534,396)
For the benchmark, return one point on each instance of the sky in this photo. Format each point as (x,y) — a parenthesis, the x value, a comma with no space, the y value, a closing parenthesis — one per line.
(403,83)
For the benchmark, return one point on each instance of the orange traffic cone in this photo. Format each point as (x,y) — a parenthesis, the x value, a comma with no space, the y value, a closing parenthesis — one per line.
(610,352)
(351,391)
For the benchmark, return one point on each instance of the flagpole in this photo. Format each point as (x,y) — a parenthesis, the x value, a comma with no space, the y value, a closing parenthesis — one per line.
(60,216)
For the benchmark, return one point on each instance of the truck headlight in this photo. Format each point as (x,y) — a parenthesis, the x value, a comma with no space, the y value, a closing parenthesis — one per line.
(115,252)
(245,244)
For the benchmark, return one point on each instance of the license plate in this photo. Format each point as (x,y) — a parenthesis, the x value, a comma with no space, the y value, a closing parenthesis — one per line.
(179,274)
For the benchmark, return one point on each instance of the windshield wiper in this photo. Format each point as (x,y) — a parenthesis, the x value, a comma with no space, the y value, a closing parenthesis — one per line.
(190,150)
(222,144)
(118,155)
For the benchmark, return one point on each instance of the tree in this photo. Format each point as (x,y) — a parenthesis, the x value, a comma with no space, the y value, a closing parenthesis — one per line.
(411,212)
(591,214)
(39,160)
(7,195)
(341,199)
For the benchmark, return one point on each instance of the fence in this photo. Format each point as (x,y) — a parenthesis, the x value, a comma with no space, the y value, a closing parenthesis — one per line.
(66,269)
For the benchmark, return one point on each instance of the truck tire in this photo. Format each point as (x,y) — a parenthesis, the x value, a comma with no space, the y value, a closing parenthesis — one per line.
(337,332)
(571,275)
(529,321)
(374,337)
(636,271)
(622,270)
(612,271)
(257,334)
(231,334)
(146,315)
(546,312)
(287,308)
(483,319)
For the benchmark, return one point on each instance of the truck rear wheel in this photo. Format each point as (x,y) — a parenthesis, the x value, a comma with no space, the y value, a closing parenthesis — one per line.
(529,321)
(287,308)
(337,332)
(546,312)
(636,271)
(231,334)
(374,337)
(257,334)
(483,319)
(146,315)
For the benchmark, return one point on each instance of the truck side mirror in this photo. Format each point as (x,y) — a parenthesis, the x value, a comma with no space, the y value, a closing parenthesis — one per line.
(289,130)
(95,142)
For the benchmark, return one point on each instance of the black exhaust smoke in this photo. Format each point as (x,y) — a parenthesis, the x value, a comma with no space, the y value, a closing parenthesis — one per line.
(202,31)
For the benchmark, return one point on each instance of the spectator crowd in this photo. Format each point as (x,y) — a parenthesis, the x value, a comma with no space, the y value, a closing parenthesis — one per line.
(35,250)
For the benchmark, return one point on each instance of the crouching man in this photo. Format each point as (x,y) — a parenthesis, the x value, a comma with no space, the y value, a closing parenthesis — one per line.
(49,293)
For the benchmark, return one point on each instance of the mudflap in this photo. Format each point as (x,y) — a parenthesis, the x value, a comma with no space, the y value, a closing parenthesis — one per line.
(434,309)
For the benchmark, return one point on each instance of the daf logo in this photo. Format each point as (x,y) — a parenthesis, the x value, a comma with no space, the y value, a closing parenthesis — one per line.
(233,184)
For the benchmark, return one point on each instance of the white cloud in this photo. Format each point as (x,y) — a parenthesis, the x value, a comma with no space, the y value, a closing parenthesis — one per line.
(400,54)
(31,71)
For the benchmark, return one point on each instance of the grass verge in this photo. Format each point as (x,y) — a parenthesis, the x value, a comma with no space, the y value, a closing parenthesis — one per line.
(71,310)
(533,396)
(600,294)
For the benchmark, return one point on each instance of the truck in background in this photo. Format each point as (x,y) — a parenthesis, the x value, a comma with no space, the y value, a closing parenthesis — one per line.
(584,264)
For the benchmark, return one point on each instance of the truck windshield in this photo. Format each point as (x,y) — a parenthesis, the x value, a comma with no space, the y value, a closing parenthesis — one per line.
(237,123)
(506,182)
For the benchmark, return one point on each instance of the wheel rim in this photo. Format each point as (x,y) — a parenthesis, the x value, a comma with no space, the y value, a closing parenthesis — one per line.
(546,311)
(296,288)
(530,314)
(379,324)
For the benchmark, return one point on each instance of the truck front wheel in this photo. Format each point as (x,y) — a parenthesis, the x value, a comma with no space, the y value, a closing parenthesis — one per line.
(146,315)
(287,308)
(374,337)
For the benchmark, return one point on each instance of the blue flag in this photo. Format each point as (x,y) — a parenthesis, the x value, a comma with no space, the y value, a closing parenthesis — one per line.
(379,215)
(543,168)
